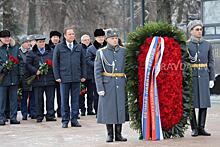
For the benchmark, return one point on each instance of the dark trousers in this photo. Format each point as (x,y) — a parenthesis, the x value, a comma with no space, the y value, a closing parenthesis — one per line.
(58,98)
(24,106)
(89,86)
(201,119)
(74,89)
(11,93)
(39,101)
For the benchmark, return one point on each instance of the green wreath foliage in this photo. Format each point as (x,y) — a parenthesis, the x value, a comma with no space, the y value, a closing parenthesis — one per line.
(135,40)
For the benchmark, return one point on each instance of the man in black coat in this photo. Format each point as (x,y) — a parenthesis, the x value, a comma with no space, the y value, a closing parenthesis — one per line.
(54,40)
(41,54)
(69,69)
(99,42)
(27,92)
(86,42)
(9,77)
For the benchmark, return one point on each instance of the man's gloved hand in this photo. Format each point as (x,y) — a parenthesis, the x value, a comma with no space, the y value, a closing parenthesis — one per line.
(101,93)
(211,84)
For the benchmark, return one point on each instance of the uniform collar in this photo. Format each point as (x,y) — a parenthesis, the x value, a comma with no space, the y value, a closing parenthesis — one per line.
(196,40)
(116,48)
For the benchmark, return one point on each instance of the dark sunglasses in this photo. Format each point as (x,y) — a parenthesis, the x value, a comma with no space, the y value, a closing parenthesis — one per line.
(199,29)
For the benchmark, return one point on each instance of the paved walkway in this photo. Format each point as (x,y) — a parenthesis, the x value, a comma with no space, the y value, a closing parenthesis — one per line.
(50,134)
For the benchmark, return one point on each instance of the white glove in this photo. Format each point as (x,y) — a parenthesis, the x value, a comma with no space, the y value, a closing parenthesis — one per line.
(101,93)
(211,84)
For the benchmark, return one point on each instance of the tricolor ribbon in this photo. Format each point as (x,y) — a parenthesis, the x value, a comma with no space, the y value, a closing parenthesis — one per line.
(151,124)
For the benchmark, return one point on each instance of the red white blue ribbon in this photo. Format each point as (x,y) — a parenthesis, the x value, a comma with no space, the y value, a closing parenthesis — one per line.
(151,124)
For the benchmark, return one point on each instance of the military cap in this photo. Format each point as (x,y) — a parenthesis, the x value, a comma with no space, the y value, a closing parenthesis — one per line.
(111,33)
(194,23)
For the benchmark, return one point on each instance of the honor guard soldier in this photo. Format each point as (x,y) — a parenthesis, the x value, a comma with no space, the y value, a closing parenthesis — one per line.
(110,82)
(202,63)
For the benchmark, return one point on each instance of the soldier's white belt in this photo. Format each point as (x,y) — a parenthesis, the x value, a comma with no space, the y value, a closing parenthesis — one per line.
(199,65)
(113,74)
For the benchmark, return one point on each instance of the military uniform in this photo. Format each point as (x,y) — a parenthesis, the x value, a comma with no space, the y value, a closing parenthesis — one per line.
(110,78)
(202,63)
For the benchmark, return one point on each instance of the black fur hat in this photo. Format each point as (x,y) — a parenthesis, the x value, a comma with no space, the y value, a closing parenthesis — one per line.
(99,32)
(5,33)
(55,33)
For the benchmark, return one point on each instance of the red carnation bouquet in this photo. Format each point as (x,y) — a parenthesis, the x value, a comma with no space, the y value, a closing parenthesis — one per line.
(83,89)
(44,67)
(8,66)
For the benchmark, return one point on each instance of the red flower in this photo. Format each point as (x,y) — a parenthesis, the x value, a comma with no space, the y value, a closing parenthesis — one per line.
(13,59)
(169,81)
(49,62)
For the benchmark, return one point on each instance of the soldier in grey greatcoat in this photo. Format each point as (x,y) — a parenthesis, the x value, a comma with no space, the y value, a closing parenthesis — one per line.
(202,63)
(110,81)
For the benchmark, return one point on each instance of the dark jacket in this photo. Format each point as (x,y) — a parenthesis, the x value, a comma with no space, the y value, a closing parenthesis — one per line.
(69,66)
(24,74)
(34,59)
(90,58)
(10,77)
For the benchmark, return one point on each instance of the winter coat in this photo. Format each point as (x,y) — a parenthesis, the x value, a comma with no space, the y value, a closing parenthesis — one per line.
(111,106)
(34,59)
(10,77)
(24,74)
(69,66)
(90,58)
(201,75)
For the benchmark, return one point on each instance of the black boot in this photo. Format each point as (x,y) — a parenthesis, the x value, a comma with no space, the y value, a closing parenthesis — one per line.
(202,119)
(110,136)
(193,123)
(118,136)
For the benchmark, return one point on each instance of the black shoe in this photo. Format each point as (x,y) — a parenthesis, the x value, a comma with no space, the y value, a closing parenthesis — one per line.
(118,136)
(24,117)
(194,133)
(202,132)
(91,113)
(39,120)
(2,123)
(33,117)
(14,122)
(51,119)
(75,124)
(64,125)
(78,117)
(83,114)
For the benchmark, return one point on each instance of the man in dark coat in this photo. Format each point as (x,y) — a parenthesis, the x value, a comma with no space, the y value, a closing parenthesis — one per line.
(86,42)
(99,42)
(69,70)
(110,81)
(9,77)
(44,82)
(202,63)
(27,92)
(54,40)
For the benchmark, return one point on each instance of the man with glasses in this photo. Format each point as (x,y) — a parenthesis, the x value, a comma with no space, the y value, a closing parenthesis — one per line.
(202,63)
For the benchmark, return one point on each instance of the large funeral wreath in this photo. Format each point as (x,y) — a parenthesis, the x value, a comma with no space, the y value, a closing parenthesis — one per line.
(174,80)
